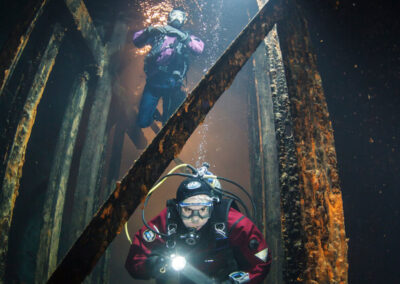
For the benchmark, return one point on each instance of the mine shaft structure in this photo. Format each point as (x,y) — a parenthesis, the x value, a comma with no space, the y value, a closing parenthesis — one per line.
(294,174)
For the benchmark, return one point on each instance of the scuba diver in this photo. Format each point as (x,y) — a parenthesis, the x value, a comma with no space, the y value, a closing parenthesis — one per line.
(165,66)
(201,237)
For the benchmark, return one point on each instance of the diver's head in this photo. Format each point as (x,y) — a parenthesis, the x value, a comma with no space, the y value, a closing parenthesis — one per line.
(177,18)
(195,202)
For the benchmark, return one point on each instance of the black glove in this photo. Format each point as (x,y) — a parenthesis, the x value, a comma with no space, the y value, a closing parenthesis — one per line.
(158,265)
(174,32)
(153,31)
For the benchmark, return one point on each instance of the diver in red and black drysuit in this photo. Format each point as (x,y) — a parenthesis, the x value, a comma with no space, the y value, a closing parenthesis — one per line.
(217,242)
(165,66)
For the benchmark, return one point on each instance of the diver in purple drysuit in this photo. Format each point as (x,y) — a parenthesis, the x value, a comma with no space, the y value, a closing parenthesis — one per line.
(165,66)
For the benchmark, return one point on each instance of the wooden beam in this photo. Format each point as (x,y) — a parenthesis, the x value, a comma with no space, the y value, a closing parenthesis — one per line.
(15,160)
(15,45)
(94,146)
(111,217)
(53,208)
(321,205)
(84,24)
(269,191)
(293,247)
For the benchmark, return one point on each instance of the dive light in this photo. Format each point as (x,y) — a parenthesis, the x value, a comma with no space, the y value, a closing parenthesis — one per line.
(178,262)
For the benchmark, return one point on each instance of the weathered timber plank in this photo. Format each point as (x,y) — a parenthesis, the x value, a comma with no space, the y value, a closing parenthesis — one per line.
(111,217)
(91,158)
(15,162)
(255,153)
(293,248)
(269,167)
(87,187)
(101,273)
(46,260)
(320,195)
(84,24)
(15,45)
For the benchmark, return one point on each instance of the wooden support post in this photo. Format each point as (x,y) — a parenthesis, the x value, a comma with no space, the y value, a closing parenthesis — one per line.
(90,167)
(111,217)
(15,45)
(90,159)
(57,185)
(322,220)
(293,249)
(84,24)
(101,274)
(16,159)
(268,191)
(115,160)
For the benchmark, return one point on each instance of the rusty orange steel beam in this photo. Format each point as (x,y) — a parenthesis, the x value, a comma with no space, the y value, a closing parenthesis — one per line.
(115,212)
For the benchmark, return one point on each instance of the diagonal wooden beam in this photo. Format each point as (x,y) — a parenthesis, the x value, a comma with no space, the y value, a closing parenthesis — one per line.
(111,217)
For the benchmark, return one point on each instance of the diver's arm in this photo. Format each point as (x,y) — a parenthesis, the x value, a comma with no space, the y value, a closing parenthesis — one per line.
(143,245)
(140,38)
(145,36)
(248,241)
(195,44)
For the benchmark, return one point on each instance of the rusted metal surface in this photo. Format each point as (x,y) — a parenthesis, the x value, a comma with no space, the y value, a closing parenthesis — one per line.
(111,217)
(293,263)
(15,161)
(15,45)
(46,260)
(321,205)
(84,24)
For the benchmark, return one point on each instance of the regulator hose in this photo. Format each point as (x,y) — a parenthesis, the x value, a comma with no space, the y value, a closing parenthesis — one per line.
(197,173)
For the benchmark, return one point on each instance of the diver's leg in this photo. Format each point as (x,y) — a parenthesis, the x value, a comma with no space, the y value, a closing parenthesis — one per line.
(171,101)
(148,105)
(166,108)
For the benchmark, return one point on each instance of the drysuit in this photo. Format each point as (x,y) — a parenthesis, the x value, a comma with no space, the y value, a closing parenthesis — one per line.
(228,242)
(165,66)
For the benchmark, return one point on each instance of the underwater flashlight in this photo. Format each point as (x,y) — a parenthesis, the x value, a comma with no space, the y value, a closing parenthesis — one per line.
(178,262)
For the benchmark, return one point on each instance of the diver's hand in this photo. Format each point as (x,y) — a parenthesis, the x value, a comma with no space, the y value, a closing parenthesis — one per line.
(157,265)
(171,31)
(154,31)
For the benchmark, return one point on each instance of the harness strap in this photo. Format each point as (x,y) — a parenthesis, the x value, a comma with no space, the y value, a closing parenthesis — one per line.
(234,224)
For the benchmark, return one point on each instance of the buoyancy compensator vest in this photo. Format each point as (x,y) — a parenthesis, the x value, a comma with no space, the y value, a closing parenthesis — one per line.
(211,243)
(178,62)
